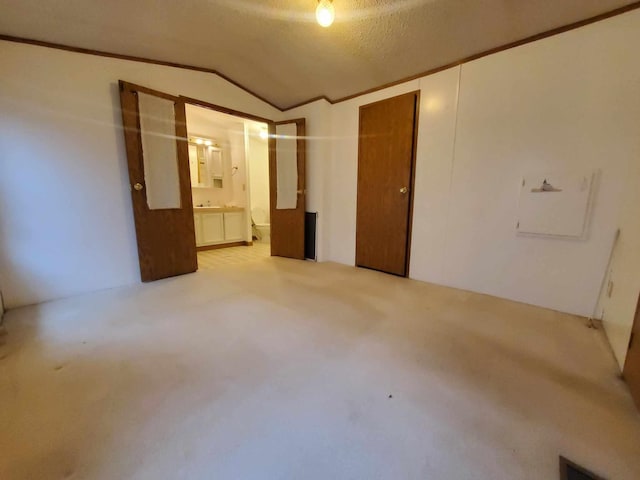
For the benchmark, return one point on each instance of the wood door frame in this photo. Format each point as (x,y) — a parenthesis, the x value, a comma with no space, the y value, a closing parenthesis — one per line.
(636,320)
(221,109)
(271,128)
(412,180)
(248,116)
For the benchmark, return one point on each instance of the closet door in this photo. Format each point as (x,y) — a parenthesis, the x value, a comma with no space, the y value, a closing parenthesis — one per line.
(386,160)
(155,135)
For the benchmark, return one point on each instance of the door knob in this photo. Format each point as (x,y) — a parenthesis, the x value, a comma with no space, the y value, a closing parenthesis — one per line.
(137,187)
(404,190)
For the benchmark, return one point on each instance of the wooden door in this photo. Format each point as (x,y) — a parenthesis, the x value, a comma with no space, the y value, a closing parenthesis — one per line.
(386,159)
(155,133)
(631,371)
(287,147)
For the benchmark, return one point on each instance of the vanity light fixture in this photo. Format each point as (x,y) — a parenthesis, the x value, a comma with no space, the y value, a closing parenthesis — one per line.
(208,143)
(325,13)
(199,141)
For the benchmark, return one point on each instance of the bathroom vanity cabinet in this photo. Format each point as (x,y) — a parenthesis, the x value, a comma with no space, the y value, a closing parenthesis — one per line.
(219,225)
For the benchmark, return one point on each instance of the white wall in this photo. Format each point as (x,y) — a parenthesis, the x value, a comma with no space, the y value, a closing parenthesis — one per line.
(319,140)
(551,105)
(566,102)
(258,154)
(66,223)
(434,167)
(238,172)
(618,311)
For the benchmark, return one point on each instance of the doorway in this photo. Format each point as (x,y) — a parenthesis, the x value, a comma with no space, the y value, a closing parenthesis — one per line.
(164,159)
(229,168)
(386,164)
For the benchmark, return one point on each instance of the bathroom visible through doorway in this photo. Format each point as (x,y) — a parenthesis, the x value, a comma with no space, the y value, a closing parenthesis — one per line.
(229,168)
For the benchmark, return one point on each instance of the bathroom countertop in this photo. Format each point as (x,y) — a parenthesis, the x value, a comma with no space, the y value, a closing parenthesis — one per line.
(218,209)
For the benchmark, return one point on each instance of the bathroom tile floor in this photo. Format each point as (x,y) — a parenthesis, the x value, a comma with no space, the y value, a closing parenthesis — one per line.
(209,259)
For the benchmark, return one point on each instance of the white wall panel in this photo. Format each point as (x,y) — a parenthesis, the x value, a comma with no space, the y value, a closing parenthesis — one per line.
(569,102)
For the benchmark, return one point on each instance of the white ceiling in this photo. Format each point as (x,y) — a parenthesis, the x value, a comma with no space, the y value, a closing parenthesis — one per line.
(274,47)
(198,117)
(201,120)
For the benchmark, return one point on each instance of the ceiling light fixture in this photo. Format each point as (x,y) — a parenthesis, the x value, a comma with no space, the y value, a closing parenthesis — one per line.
(325,13)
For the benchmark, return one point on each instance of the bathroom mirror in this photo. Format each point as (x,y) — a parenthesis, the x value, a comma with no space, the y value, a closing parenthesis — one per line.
(205,163)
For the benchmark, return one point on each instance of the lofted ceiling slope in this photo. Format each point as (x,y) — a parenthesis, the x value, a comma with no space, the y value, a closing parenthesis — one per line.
(275,49)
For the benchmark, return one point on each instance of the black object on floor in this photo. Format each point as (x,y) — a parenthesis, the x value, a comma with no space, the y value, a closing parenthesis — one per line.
(310,222)
(571,471)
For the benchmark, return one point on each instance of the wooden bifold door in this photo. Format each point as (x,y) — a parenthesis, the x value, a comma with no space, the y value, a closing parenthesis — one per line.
(155,135)
(386,160)
(287,187)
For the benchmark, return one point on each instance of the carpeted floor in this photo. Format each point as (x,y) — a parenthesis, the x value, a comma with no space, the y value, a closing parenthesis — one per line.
(284,369)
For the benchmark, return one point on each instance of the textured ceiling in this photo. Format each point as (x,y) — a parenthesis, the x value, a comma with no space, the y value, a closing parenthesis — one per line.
(274,47)
(200,119)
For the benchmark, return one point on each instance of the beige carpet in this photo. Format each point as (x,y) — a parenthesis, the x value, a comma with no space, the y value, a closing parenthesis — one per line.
(283,369)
